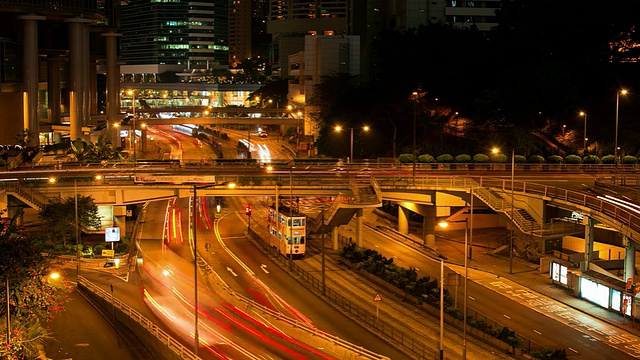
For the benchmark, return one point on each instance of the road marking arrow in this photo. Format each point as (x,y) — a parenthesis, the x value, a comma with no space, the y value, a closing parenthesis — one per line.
(231,271)
(264,268)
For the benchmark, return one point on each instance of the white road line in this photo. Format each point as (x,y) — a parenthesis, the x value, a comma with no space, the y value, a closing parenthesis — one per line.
(573,350)
(472,298)
(506,316)
(537,332)
(264,268)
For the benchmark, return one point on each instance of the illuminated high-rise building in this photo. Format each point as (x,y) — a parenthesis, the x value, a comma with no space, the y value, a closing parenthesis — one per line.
(173,35)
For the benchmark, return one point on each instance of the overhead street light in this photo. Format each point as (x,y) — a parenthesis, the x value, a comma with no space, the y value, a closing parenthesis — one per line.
(444,225)
(584,135)
(339,128)
(615,143)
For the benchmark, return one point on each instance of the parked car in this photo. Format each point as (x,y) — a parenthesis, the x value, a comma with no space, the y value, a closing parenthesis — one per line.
(263,134)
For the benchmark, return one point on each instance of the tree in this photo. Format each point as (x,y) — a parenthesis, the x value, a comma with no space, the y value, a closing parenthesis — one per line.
(32,296)
(59,217)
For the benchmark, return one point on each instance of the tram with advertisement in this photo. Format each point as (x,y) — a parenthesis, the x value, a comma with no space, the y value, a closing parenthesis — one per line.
(289,232)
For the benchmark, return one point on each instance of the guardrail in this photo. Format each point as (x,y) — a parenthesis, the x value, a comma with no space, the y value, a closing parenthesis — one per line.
(172,344)
(367,317)
(339,166)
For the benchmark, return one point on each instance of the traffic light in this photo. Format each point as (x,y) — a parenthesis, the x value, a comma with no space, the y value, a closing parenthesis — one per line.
(247,210)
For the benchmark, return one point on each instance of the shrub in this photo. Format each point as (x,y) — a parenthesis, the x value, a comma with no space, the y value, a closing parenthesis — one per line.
(519,159)
(463,158)
(591,159)
(550,354)
(480,158)
(499,158)
(444,158)
(426,158)
(3,163)
(536,159)
(405,158)
(629,160)
(98,249)
(608,159)
(573,159)
(554,159)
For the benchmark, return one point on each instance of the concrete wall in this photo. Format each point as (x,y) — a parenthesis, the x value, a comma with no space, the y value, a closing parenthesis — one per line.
(605,251)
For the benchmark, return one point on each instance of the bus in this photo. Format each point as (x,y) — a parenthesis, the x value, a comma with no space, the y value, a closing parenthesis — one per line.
(288,234)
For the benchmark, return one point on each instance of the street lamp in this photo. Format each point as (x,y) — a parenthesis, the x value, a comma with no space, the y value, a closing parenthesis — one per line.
(415,103)
(615,144)
(513,173)
(338,128)
(584,144)
(445,224)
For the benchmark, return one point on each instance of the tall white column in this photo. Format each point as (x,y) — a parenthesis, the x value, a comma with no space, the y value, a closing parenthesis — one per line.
(630,260)
(403,220)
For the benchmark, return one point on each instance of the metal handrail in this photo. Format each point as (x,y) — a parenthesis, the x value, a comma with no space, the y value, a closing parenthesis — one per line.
(172,344)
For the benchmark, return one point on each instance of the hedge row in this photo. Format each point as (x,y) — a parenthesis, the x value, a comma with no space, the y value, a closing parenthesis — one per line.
(518,159)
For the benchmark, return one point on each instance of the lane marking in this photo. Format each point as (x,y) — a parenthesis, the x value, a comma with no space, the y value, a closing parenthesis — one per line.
(573,350)
(231,271)
(506,316)
(472,298)
(537,332)
(264,268)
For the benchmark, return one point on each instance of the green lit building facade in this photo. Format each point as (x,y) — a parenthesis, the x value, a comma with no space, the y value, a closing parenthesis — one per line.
(174,35)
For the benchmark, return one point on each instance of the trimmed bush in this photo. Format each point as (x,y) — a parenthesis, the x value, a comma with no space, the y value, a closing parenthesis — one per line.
(591,159)
(536,159)
(499,158)
(573,159)
(444,158)
(480,158)
(608,159)
(405,158)
(3,163)
(554,159)
(629,160)
(426,158)
(519,159)
(463,158)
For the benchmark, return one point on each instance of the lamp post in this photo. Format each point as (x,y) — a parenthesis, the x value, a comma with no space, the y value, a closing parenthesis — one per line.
(195,269)
(584,144)
(249,140)
(338,128)
(441,309)
(615,144)
(415,103)
(444,224)
(513,173)
(298,132)
(290,240)
(75,199)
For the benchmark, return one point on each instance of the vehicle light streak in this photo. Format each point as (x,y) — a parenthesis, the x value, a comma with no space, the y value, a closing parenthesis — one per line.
(283,303)
(622,203)
(274,331)
(260,335)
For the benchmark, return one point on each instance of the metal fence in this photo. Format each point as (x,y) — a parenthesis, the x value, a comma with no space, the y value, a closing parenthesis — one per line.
(365,317)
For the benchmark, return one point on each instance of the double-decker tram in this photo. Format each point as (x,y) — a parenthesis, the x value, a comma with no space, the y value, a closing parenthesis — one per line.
(288,233)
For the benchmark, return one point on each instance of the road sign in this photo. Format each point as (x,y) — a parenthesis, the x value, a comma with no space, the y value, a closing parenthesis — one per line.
(108,253)
(377,298)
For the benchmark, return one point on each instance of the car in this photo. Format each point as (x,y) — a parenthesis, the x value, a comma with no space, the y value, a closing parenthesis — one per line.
(263,134)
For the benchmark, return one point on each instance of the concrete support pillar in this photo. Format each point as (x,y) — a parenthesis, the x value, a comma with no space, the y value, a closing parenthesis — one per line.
(113,88)
(93,91)
(429,226)
(30,75)
(86,79)
(77,29)
(143,142)
(334,237)
(403,220)
(630,261)
(359,227)
(120,218)
(588,243)
(53,89)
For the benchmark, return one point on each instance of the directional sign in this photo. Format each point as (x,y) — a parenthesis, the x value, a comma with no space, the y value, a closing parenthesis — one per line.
(107,253)
(377,298)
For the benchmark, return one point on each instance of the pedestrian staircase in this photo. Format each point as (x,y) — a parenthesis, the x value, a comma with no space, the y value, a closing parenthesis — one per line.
(521,214)
(345,205)
(29,196)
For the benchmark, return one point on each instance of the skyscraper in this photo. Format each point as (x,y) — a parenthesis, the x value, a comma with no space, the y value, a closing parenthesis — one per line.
(173,35)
